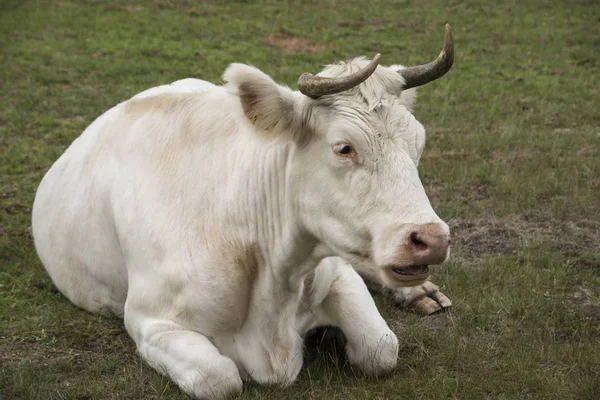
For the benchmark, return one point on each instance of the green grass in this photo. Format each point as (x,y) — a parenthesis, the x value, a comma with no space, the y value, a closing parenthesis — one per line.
(512,163)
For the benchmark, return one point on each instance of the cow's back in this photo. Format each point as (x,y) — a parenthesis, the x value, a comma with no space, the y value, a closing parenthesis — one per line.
(73,221)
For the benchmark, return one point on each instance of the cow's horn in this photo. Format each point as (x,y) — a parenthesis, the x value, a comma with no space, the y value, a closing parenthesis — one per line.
(422,74)
(317,86)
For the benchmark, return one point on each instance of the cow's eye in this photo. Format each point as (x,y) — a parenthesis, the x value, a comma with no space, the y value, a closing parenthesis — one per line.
(344,150)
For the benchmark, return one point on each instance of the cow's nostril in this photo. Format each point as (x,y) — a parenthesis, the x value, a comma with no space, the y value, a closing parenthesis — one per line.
(417,244)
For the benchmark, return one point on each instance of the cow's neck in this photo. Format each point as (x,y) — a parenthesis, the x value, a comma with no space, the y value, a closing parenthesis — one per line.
(270,198)
(267,197)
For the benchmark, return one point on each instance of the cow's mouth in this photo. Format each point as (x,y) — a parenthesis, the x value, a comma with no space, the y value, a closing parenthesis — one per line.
(411,273)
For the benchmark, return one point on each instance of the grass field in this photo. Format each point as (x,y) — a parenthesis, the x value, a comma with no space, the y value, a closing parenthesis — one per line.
(512,163)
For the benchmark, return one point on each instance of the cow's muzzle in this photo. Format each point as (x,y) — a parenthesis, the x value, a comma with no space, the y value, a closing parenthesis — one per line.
(428,244)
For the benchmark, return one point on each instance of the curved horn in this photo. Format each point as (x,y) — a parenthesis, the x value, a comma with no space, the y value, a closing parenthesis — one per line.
(317,86)
(422,74)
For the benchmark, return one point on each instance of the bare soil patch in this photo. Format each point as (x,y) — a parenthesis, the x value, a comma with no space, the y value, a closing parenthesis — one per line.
(293,44)
(474,238)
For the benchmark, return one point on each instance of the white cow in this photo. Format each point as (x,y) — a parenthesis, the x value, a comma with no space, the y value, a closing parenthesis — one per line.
(208,217)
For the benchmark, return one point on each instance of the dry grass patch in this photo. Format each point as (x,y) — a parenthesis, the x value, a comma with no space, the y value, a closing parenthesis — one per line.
(481,237)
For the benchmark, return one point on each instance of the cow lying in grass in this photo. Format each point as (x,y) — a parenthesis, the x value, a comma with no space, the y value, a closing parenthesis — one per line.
(222,222)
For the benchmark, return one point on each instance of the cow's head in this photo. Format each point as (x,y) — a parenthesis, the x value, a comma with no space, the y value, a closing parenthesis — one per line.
(354,165)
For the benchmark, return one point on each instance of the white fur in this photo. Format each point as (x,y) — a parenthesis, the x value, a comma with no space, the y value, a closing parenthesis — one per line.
(205,215)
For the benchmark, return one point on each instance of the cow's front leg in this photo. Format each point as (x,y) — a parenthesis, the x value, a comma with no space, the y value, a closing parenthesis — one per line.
(371,344)
(187,357)
(425,299)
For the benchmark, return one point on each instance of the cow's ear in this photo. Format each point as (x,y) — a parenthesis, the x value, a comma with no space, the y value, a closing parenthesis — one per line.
(271,108)
(409,96)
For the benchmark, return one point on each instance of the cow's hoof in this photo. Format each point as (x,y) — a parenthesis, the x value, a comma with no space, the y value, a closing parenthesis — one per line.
(425,299)
(427,305)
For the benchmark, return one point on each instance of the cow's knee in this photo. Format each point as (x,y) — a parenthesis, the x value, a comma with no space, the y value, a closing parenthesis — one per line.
(376,353)
(220,381)
(189,358)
